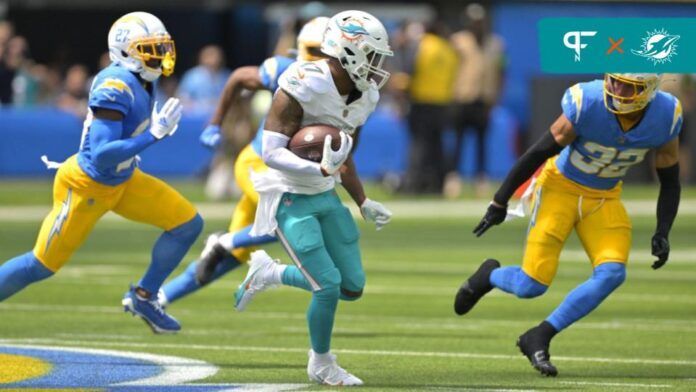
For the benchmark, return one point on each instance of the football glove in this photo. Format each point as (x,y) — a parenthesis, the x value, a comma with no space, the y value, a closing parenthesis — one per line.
(660,249)
(331,161)
(210,137)
(495,215)
(165,121)
(375,212)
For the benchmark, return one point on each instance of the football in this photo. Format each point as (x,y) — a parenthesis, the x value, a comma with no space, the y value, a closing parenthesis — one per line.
(308,142)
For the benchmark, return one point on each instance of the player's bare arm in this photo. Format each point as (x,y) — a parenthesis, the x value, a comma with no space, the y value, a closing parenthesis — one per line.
(349,176)
(561,134)
(370,209)
(667,166)
(285,115)
(282,123)
(242,78)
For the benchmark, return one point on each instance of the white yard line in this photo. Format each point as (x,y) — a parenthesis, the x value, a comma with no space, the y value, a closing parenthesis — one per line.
(616,384)
(402,322)
(400,208)
(398,353)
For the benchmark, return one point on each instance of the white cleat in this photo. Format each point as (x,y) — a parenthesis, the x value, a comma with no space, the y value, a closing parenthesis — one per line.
(258,279)
(327,372)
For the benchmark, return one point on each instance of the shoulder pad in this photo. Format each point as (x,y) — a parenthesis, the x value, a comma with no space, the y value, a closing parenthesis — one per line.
(677,118)
(572,103)
(111,91)
(271,69)
(302,80)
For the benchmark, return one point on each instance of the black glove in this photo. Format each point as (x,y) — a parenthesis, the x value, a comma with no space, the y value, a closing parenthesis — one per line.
(494,216)
(660,249)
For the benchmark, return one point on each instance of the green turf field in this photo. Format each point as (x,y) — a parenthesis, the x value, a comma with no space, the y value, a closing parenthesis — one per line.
(403,334)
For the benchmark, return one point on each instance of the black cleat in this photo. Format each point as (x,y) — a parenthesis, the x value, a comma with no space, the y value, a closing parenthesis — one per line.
(212,255)
(534,344)
(475,287)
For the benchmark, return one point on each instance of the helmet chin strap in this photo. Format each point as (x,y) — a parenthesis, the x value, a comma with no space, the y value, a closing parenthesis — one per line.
(149,75)
(625,107)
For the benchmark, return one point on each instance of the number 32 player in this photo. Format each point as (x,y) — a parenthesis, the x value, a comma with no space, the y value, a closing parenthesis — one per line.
(606,127)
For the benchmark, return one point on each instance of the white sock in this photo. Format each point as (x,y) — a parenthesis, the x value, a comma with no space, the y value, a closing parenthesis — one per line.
(322,358)
(227,241)
(276,274)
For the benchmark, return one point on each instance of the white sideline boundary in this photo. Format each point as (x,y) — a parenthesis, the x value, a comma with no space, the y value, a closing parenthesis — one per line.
(401,209)
(433,354)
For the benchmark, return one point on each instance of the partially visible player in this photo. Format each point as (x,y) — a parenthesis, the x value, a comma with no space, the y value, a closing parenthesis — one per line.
(225,251)
(606,127)
(103,176)
(298,201)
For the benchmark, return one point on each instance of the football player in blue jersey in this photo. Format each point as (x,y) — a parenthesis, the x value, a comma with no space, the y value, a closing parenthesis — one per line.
(103,176)
(606,127)
(225,251)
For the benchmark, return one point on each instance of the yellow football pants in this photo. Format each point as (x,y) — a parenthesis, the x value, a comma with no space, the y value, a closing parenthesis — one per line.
(602,225)
(245,211)
(79,202)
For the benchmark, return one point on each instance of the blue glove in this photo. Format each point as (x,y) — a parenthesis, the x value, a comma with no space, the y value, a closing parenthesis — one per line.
(210,137)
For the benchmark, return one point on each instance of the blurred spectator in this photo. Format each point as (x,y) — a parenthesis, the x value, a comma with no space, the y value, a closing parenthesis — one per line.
(683,86)
(430,93)
(290,27)
(25,84)
(73,98)
(6,73)
(478,85)
(202,85)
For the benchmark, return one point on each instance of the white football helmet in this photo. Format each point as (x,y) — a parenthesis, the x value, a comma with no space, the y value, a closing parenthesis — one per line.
(139,42)
(310,37)
(638,90)
(360,42)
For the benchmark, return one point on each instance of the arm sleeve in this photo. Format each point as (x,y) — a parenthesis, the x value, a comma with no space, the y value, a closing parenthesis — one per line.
(108,150)
(543,149)
(668,200)
(277,156)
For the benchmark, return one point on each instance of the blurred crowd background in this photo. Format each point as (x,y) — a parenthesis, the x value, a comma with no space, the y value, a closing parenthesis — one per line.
(466,94)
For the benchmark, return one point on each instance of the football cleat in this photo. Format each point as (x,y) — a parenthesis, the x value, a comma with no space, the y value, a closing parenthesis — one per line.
(261,267)
(536,348)
(327,372)
(475,287)
(213,253)
(150,311)
(162,299)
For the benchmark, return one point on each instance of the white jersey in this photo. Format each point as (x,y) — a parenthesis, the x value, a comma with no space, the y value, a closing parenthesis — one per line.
(311,84)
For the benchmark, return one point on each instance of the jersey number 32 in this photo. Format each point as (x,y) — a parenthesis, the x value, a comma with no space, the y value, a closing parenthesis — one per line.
(606,162)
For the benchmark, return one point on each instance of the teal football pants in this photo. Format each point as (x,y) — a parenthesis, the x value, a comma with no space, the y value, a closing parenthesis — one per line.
(320,236)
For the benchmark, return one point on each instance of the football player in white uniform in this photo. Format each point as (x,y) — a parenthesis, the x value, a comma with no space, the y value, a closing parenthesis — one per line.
(298,202)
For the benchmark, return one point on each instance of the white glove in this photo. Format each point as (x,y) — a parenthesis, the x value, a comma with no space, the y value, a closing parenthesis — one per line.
(375,212)
(331,161)
(166,121)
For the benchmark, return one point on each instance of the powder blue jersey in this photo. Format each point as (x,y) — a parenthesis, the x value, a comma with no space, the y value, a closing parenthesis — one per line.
(116,88)
(269,71)
(602,152)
